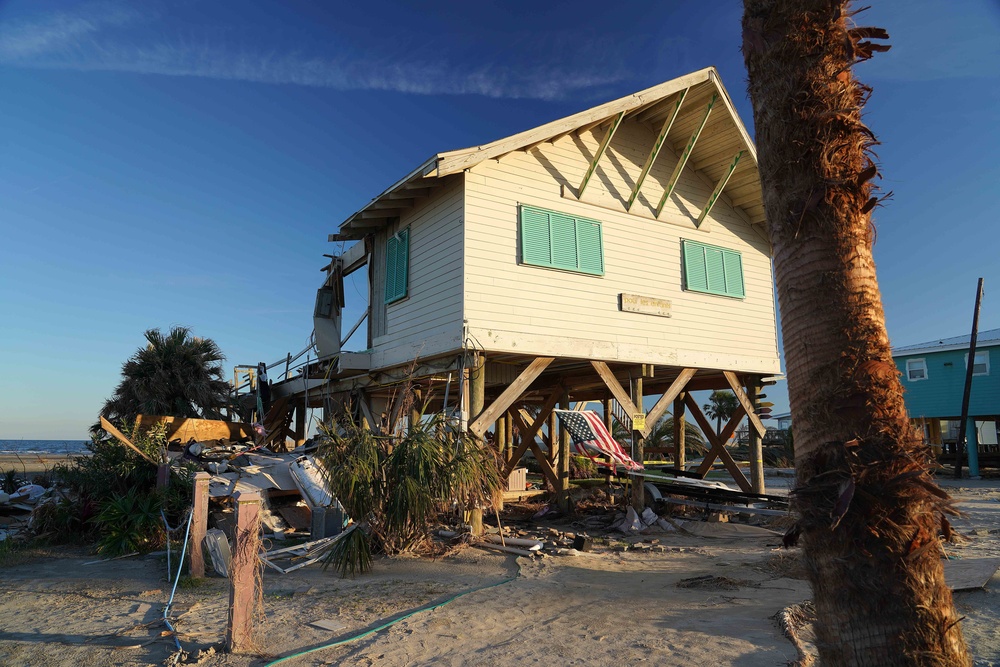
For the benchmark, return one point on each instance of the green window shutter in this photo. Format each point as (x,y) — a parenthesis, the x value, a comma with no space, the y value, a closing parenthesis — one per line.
(397,265)
(561,241)
(695,273)
(590,246)
(536,245)
(733,264)
(713,270)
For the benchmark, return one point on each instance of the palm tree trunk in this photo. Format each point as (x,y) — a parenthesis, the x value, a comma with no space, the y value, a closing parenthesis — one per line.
(870,514)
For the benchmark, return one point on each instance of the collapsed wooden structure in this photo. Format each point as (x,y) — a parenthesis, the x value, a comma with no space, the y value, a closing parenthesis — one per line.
(614,255)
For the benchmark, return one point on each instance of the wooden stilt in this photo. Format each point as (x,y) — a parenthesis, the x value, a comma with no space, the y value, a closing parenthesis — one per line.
(243,576)
(756,440)
(638,443)
(477,400)
(553,440)
(680,444)
(562,491)
(199,524)
(609,423)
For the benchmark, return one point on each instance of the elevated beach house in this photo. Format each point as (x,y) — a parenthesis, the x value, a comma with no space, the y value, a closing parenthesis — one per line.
(934,378)
(610,255)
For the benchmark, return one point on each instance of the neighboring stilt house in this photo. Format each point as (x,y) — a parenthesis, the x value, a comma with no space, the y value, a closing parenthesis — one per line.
(610,255)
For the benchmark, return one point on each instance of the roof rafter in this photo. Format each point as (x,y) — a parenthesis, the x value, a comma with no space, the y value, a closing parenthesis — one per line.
(718,189)
(685,156)
(600,152)
(657,145)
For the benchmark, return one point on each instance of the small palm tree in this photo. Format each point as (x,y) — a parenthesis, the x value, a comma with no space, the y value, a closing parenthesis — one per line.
(176,374)
(721,405)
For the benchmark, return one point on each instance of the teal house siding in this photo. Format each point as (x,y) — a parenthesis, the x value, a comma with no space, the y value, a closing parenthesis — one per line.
(940,394)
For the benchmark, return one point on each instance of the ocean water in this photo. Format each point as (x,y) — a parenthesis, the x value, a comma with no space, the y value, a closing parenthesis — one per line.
(43,446)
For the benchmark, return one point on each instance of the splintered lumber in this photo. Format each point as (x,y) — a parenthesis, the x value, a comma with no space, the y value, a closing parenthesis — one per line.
(187,429)
(107,426)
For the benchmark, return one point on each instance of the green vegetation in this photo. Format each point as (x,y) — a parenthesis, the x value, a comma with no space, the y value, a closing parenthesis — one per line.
(395,486)
(176,374)
(113,499)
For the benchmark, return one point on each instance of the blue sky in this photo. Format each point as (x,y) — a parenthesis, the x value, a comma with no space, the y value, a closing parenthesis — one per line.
(182,163)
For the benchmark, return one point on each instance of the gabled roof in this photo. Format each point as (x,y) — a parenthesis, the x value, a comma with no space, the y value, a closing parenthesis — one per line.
(988,338)
(722,138)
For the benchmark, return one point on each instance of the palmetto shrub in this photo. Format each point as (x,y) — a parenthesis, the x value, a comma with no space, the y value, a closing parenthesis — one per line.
(396,485)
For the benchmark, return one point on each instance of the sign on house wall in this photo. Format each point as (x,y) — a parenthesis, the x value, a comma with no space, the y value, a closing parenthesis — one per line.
(635,303)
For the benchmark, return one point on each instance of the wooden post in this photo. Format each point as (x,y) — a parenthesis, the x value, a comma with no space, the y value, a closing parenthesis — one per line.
(500,437)
(553,441)
(199,524)
(562,491)
(609,423)
(477,402)
(300,422)
(756,440)
(243,572)
(638,492)
(680,433)
(415,406)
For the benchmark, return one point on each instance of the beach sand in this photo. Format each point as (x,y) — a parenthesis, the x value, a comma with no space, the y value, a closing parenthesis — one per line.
(606,608)
(33,464)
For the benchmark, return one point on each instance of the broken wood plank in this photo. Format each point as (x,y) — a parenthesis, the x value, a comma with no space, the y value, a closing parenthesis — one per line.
(107,426)
(187,429)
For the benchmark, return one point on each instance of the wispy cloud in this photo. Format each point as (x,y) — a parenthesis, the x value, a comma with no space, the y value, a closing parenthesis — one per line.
(97,40)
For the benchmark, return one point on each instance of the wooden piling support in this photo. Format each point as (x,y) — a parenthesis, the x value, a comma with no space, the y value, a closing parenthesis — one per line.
(199,524)
(609,423)
(562,492)
(477,402)
(638,442)
(243,573)
(680,444)
(756,440)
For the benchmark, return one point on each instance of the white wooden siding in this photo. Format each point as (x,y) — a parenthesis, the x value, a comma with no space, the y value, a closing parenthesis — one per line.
(518,308)
(429,320)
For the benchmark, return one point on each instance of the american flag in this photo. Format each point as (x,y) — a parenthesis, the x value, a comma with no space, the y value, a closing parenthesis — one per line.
(591,438)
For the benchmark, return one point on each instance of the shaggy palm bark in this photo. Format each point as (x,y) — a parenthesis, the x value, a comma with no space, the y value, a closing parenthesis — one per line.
(870,514)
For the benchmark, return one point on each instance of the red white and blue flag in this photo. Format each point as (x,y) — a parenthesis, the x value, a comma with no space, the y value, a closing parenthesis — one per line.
(591,438)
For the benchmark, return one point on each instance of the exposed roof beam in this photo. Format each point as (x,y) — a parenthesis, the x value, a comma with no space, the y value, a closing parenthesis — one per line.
(409,193)
(372,218)
(657,145)
(600,152)
(456,161)
(718,189)
(390,204)
(672,183)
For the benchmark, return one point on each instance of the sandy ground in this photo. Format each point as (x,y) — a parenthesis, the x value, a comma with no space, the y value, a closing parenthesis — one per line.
(605,608)
(31,464)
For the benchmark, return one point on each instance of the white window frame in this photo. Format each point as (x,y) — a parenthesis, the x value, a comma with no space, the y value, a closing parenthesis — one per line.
(914,364)
(985,354)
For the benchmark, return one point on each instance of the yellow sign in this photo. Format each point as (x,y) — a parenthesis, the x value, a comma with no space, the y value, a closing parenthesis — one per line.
(638,421)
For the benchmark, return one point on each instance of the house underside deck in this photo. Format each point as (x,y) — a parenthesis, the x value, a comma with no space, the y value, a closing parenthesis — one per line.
(509,398)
